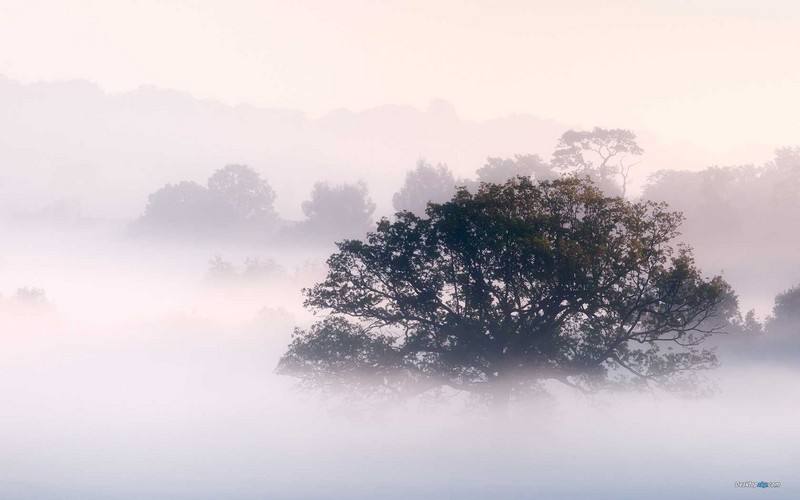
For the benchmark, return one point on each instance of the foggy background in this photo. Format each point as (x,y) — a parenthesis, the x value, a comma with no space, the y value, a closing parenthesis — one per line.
(139,352)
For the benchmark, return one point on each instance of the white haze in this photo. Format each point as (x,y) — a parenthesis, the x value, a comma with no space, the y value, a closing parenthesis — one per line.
(141,378)
(71,145)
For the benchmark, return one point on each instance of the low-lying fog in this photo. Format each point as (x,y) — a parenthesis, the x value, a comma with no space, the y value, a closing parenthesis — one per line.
(142,374)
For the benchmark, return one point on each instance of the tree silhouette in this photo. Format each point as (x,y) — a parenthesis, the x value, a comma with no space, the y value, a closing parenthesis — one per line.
(424,184)
(187,208)
(337,211)
(785,317)
(601,154)
(498,290)
(251,198)
(500,170)
(237,202)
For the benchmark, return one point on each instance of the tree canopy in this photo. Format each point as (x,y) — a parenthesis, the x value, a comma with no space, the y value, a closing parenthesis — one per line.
(236,201)
(422,185)
(250,197)
(500,170)
(497,290)
(187,208)
(604,155)
(336,211)
(785,318)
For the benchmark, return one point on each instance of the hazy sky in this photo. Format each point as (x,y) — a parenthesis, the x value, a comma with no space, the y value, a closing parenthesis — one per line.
(723,73)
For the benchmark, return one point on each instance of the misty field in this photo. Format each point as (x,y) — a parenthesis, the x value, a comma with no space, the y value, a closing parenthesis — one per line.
(140,376)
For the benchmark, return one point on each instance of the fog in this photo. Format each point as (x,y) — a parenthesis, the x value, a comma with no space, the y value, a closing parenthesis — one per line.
(71,147)
(468,250)
(141,374)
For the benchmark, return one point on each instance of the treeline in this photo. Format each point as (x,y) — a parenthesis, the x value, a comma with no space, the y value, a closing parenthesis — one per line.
(741,220)
(238,203)
(736,207)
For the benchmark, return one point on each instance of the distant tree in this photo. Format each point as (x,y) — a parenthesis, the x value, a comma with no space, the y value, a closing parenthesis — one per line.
(187,207)
(601,154)
(424,184)
(783,178)
(338,211)
(748,325)
(728,208)
(251,198)
(713,199)
(236,203)
(785,317)
(500,170)
(495,291)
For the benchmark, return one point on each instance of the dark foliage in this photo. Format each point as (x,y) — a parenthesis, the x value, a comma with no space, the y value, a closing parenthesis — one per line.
(515,283)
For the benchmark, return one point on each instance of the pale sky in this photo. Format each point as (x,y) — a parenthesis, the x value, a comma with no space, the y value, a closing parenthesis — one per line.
(723,73)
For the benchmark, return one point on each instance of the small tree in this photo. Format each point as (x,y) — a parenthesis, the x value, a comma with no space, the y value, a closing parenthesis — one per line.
(517,283)
(601,154)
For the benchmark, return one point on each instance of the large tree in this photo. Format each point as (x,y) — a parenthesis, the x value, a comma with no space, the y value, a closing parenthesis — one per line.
(497,290)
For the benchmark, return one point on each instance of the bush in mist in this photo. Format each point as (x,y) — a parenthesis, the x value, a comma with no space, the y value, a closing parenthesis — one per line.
(30,296)
(254,271)
(25,299)
(422,185)
(237,202)
(495,291)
